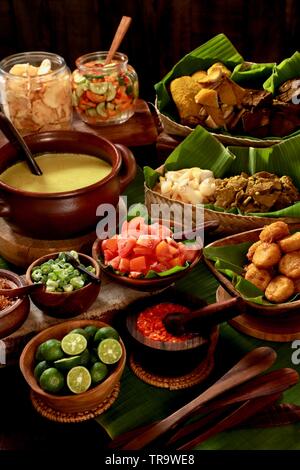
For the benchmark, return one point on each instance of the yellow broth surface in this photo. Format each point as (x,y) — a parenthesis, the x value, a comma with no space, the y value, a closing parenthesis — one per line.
(62,172)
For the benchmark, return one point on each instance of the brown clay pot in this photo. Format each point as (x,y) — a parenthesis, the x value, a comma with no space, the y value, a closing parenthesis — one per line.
(65,214)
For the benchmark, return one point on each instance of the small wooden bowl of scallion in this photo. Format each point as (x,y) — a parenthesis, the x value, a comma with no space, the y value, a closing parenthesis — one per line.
(66,291)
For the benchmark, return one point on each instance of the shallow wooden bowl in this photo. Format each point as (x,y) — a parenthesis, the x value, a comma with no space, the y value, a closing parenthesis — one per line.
(12,317)
(284,309)
(65,304)
(68,403)
(144,285)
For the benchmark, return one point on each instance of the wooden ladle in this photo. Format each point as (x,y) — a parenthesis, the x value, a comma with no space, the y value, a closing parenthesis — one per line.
(21,291)
(13,135)
(118,38)
(178,323)
(251,365)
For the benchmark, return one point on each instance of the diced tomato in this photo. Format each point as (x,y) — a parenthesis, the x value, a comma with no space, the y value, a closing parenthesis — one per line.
(162,251)
(174,251)
(114,263)
(110,244)
(138,264)
(108,255)
(177,261)
(147,241)
(190,254)
(159,267)
(125,246)
(124,265)
(143,250)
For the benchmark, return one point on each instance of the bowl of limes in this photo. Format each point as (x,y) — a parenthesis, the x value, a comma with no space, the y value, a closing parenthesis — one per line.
(75,365)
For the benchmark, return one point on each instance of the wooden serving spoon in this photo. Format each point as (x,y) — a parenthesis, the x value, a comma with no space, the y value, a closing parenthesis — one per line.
(251,365)
(178,323)
(21,291)
(82,269)
(243,412)
(273,382)
(118,38)
(13,135)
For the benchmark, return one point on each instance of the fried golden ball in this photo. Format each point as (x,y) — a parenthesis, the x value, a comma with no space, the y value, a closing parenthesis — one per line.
(280,289)
(259,277)
(290,265)
(291,243)
(252,249)
(266,255)
(276,231)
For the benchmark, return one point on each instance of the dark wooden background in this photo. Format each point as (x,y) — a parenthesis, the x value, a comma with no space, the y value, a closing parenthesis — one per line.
(161,33)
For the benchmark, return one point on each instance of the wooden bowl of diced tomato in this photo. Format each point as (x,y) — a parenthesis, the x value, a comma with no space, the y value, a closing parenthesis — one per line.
(145,256)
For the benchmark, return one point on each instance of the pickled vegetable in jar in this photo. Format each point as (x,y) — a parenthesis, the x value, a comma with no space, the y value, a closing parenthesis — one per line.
(36,91)
(104,94)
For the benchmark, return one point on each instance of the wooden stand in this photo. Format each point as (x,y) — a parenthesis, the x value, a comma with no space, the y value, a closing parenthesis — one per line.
(21,250)
(47,412)
(282,329)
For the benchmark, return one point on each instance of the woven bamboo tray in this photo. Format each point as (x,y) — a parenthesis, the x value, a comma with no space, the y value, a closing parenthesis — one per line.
(228,223)
(173,128)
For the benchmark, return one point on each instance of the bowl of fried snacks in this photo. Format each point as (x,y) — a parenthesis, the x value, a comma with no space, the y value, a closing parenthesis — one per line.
(261,266)
(239,102)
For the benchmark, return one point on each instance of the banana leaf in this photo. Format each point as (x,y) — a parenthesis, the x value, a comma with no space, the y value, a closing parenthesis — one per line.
(287,69)
(216,49)
(219,49)
(252,74)
(201,149)
(230,260)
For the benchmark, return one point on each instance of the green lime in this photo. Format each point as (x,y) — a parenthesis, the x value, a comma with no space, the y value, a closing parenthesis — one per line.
(84,358)
(98,372)
(80,331)
(104,333)
(52,380)
(110,351)
(39,368)
(66,363)
(79,379)
(38,355)
(91,330)
(73,344)
(51,350)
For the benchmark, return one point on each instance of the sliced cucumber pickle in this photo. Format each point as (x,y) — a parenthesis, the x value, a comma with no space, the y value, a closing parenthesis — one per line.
(111,92)
(91,112)
(81,88)
(99,88)
(101,109)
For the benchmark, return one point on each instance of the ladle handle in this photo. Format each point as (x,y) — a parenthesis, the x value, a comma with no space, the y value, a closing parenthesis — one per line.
(13,135)
(213,314)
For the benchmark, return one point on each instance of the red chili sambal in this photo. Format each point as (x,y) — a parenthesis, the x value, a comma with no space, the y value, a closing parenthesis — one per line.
(150,324)
(5,301)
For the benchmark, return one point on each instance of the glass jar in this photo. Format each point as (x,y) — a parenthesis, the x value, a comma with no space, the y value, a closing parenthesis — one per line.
(104,94)
(36,92)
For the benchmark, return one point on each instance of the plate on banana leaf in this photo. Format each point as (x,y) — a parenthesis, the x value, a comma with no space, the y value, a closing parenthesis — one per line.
(239,102)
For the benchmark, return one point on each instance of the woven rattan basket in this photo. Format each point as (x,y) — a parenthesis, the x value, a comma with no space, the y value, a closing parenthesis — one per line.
(228,223)
(173,128)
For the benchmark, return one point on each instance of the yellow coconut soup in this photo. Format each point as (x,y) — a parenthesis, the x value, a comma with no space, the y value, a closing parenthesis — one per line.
(62,172)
